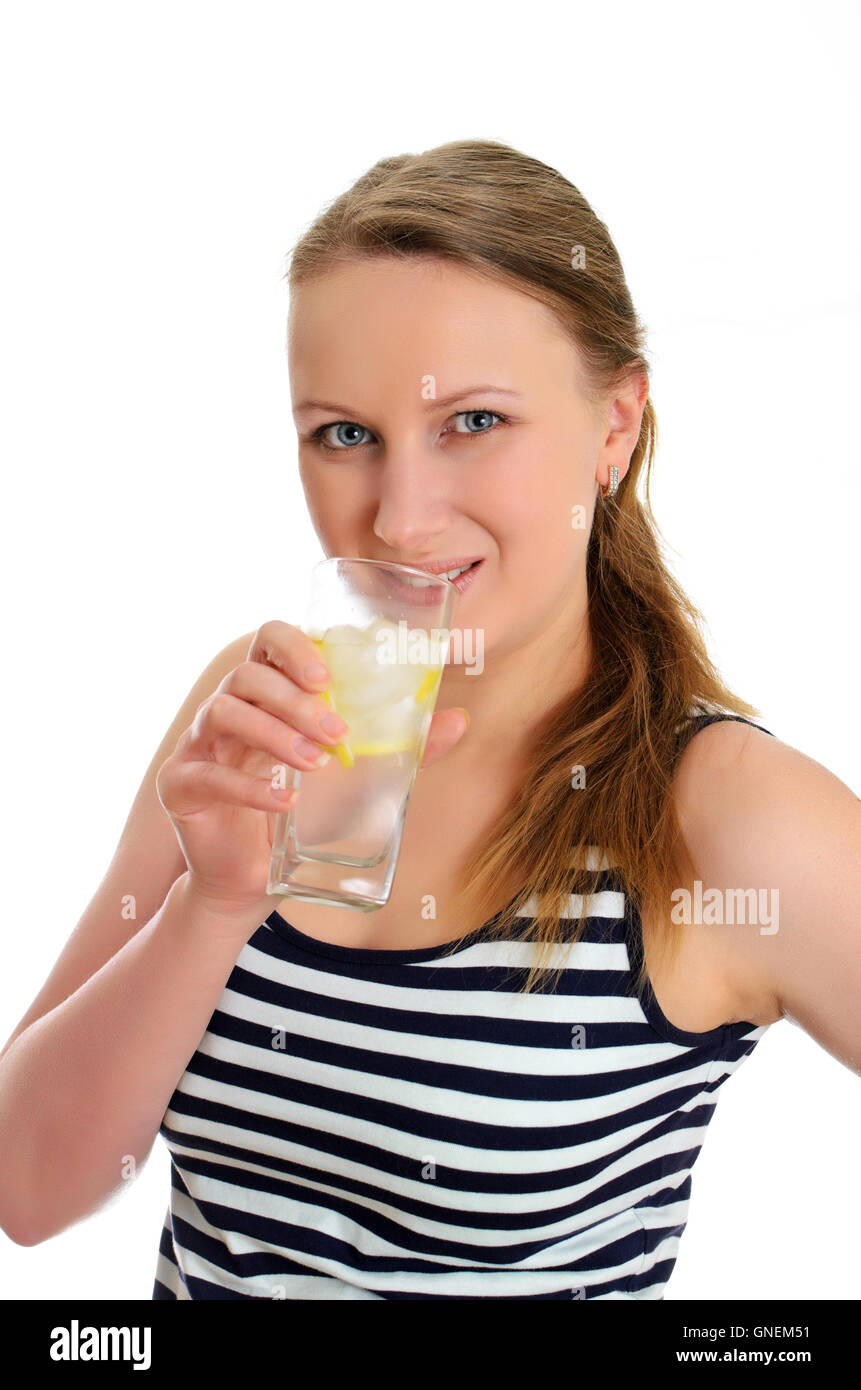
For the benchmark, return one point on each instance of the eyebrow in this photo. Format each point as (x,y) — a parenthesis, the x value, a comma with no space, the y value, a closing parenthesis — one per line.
(433,404)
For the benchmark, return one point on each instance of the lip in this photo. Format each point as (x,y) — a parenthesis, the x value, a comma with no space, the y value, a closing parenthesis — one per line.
(421,597)
(438,566)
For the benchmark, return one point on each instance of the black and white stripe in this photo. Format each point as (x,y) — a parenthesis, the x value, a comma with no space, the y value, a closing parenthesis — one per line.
(426,1130)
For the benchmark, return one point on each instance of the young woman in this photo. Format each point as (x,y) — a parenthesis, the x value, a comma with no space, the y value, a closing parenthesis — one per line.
(502,1096)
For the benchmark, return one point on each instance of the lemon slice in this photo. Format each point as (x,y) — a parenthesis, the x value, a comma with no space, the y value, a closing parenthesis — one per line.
(362,719)
(376,749)
(428,686)
(343,753)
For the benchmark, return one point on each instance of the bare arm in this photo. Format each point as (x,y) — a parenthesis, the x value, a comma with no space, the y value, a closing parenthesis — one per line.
(87,1075)
(85,1087)
(760,815)
(128,904)
(146,861)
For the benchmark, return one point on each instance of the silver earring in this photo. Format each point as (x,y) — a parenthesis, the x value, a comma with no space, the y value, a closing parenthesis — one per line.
(614,482)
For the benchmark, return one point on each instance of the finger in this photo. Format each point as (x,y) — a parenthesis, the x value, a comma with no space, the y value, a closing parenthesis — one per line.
(260,684)
(290,650)
(186,788)
(225,716)
(447,728)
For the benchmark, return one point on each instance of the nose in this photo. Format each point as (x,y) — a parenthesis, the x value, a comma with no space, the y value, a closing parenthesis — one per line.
(414,507)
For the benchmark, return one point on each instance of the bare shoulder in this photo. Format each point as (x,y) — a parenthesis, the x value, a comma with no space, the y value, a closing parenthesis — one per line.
(775,838)
(733,780)
(232,655)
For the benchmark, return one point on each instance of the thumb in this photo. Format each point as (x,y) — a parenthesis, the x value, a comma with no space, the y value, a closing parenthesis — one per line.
(447,728)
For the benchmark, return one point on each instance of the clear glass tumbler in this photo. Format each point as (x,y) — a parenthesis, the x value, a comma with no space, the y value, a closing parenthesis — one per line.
(383,630)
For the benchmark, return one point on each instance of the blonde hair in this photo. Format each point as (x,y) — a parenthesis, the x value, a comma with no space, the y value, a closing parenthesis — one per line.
(494,210)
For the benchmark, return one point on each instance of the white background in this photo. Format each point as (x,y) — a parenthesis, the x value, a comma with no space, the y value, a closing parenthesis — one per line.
(159,160)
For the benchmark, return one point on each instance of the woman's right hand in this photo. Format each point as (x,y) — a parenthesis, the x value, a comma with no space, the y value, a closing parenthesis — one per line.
(219,785)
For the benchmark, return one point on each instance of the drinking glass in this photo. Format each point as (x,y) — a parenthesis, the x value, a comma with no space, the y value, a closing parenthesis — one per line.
(383,630)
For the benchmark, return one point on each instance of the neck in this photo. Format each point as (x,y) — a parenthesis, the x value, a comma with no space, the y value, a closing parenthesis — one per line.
(520,684)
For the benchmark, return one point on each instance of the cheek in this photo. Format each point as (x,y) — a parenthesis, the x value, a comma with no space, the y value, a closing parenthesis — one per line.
(541,479)
(542,512)
(318,510)
(328,497)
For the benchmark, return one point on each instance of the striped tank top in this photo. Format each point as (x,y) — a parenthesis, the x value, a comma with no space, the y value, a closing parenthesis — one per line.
(407,1124)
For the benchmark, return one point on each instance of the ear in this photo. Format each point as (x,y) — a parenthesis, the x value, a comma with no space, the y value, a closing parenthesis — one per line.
(624,418)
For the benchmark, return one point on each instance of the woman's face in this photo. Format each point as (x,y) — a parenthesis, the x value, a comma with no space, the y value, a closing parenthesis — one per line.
(457,431)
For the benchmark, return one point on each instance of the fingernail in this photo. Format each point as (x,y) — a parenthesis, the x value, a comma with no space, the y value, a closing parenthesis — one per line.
(311,751)
(333,724)
(318,673)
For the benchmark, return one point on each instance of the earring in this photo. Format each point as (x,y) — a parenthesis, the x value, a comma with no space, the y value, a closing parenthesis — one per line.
(614,482)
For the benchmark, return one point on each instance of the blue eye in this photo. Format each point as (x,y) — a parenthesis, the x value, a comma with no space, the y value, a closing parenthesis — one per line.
(337,425)
(346,446)
(476,412)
